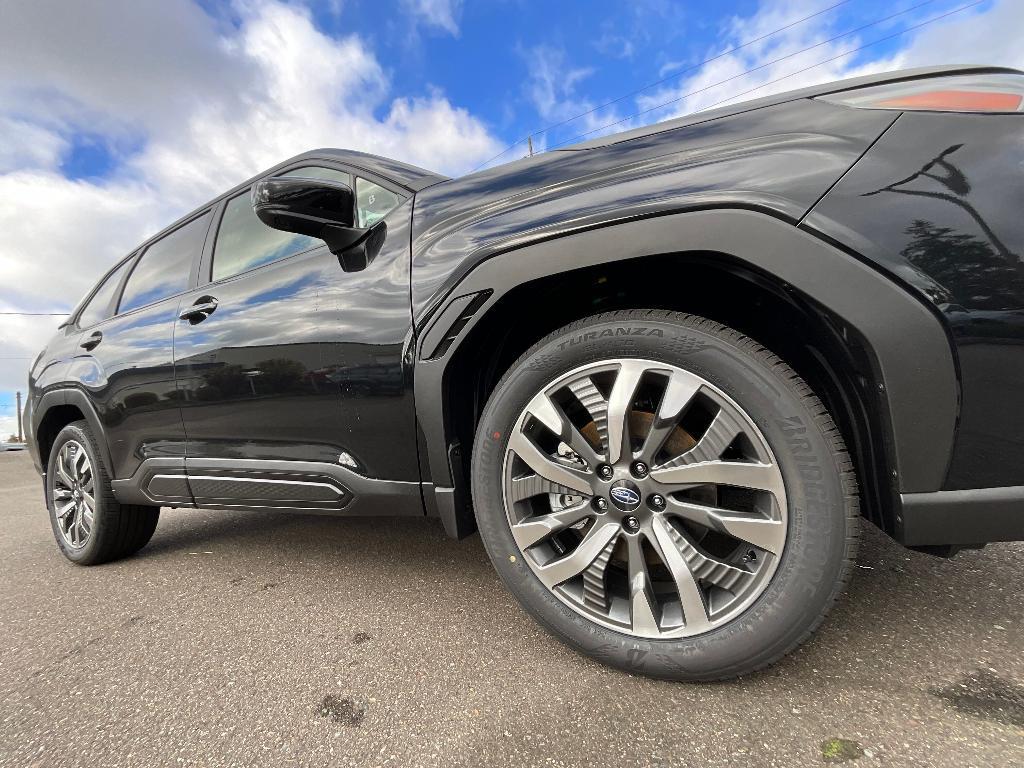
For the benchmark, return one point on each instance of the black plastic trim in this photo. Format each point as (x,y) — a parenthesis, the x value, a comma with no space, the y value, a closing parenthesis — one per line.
(965,517)
(257,484)
(450,323)
(158,482)
(910,347)
(77,398)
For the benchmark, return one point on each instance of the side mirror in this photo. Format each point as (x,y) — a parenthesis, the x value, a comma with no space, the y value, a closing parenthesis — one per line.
(321,209)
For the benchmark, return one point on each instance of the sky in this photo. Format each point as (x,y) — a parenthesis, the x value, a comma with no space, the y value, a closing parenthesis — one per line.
(118,116)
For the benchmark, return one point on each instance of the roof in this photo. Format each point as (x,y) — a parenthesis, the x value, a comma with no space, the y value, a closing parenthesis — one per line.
(411,176)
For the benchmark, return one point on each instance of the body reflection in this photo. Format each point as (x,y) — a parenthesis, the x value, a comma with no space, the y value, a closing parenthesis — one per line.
(945,216)
(301,360)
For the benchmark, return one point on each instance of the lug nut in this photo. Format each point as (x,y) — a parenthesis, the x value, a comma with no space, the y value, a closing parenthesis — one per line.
(604,472)
(639,469)
(631,523)
(600,504)
(657,501)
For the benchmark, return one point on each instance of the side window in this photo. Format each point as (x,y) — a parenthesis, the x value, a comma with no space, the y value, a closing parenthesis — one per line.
(99,306)
(164,268)
(245,242)
(373,202)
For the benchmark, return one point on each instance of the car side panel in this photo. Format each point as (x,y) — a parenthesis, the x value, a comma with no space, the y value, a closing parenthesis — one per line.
(937,203)
(129,380)
(779,159)
(920,401)
(302,361)
(46,382)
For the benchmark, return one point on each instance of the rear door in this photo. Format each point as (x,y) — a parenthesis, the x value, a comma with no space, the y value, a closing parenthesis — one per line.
(291,368)
(126,363)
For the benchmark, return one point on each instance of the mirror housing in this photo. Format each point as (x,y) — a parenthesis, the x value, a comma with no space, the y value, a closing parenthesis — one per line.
(322,209)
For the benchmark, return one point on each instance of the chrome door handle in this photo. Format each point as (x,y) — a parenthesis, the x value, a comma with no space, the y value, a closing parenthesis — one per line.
(199,311)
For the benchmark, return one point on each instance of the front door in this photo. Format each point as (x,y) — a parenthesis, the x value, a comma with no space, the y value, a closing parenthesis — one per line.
(293,384)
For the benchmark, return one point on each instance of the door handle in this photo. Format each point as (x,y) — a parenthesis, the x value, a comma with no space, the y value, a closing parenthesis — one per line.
(199,311)
(92,342)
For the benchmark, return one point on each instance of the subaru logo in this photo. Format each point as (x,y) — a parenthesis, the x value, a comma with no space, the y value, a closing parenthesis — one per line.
(624,496)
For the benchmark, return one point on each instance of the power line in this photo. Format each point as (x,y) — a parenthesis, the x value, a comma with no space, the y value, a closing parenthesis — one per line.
(847,53)
(663,80)
(784,77)
(706,61)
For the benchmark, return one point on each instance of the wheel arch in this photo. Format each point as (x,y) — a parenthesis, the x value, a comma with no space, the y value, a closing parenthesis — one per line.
(58,408)
(882,357)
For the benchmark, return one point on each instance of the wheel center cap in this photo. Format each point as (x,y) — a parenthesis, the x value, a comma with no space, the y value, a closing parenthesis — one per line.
(625,495)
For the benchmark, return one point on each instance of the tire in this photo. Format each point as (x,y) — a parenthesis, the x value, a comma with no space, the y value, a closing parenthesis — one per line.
(116,530)
(635,605)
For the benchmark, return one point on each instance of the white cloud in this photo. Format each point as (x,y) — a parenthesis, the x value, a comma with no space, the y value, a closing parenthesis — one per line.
(209,101)
(61,235)
(27,144)
(21,338)
(989,36)
(552,87)
(115,66)
(443,14)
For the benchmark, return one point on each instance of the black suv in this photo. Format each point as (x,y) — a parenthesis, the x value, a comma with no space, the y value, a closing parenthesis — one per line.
(664,373)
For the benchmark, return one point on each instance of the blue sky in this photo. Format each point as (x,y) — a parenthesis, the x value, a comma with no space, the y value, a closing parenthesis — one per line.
(119,116)
(489,57)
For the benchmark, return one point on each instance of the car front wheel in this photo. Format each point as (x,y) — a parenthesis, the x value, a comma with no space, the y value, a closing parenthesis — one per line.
(665,495)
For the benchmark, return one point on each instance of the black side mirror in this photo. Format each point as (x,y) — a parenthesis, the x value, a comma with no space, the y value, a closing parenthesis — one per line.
(321,209)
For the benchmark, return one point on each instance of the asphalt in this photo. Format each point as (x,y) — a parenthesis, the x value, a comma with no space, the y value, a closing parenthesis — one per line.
(245,639)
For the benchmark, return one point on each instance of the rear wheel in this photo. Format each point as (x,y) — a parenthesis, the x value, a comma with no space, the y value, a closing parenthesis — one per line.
(90,526)
(665,495)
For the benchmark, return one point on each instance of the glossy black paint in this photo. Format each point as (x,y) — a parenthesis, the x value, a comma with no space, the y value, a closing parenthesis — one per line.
(299,368)
(298,361)
(129,379)
(304,361)
(937,204)
(780,159)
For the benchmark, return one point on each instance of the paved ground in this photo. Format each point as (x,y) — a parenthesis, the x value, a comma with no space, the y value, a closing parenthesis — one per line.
(274,639)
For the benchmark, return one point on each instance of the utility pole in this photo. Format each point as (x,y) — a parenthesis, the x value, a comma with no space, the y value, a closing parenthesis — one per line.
(21,438)
(529,143)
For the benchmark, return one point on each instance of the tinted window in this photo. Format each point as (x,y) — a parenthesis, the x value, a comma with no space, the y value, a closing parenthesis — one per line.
(245,242)
(99,307)
(164,268)
(373,202)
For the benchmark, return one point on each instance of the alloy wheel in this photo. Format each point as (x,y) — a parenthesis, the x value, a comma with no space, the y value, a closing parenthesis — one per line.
(73,486)
(644,498)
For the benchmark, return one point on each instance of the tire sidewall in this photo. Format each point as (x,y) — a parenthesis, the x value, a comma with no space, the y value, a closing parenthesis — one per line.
(89,552)
(807,577)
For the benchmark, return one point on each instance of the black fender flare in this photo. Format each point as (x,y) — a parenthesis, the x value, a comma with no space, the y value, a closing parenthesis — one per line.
(909,343)
(77,398)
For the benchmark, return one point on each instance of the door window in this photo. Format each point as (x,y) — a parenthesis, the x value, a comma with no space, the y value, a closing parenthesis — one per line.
(244,242)
(164,268)
(373,202)
(99,306)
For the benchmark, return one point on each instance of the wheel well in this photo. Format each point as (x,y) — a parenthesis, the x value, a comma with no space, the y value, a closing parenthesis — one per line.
(828,354)
(53,422)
